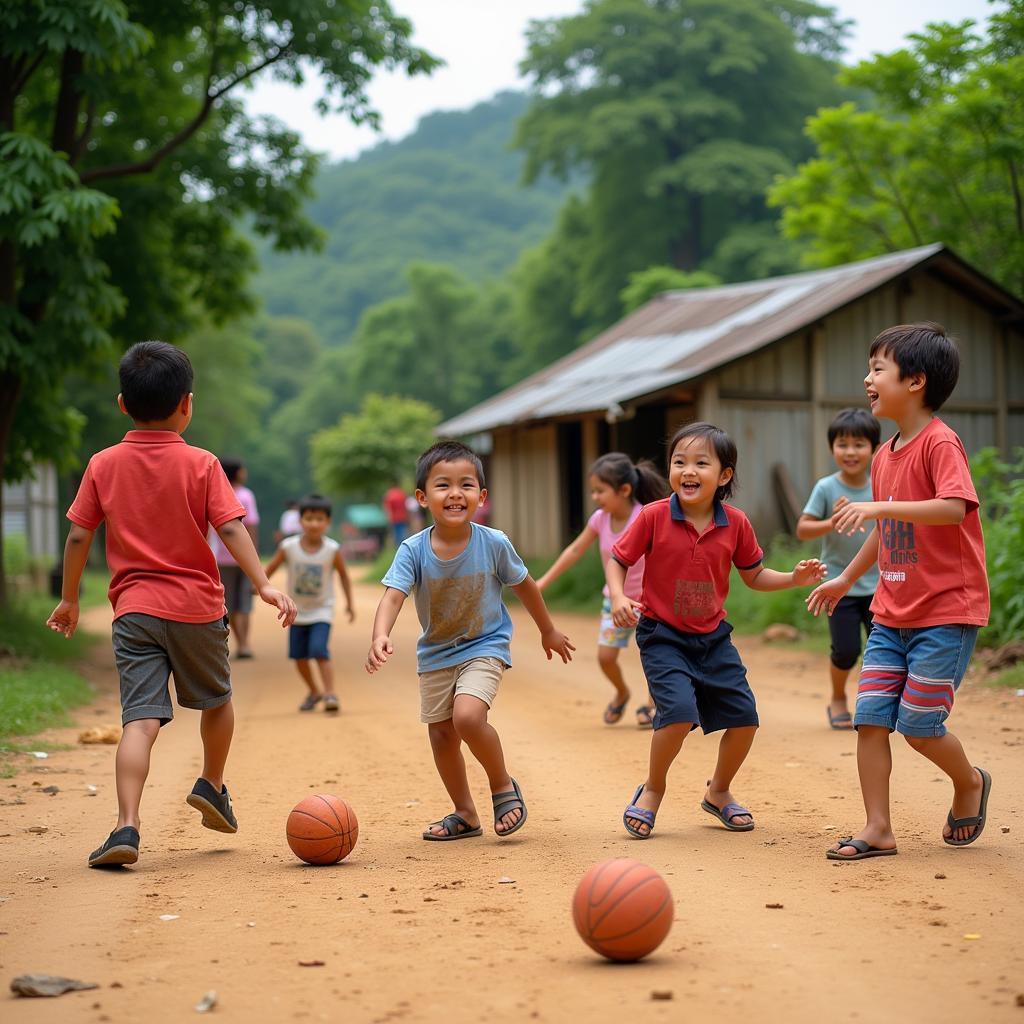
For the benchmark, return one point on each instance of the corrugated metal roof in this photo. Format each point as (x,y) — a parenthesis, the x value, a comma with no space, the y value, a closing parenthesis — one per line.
(678,336)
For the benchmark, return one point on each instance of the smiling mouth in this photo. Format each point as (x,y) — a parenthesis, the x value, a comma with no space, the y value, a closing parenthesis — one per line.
(872,397)
(689,488)
(455,508)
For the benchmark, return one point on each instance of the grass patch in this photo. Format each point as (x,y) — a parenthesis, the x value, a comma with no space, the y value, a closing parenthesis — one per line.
(1012,678)
(36,697)
(24,636)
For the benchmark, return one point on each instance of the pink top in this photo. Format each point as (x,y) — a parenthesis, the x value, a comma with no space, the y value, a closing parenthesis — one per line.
(251,518)
(601,523)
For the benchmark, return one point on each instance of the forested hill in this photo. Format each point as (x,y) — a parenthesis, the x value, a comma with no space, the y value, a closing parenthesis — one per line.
(448,193)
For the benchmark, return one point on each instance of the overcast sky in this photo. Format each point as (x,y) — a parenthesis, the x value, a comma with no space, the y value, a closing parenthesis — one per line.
(482,43)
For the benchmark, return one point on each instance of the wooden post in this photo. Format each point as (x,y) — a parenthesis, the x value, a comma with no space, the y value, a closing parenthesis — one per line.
(820,461)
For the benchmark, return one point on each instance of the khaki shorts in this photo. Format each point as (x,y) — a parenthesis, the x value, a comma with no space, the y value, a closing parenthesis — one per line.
(478,677)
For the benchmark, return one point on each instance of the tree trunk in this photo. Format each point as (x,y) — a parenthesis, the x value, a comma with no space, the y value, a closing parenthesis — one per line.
(686,252)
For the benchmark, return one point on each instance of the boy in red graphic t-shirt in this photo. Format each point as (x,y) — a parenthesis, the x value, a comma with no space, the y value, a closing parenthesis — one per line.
(158,496)
(932,595)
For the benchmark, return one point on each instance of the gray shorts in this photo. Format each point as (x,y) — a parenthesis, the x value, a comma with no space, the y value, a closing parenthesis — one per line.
(147,650)
(237,589)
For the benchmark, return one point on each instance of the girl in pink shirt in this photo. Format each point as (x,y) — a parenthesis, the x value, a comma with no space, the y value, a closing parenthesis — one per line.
(618,488)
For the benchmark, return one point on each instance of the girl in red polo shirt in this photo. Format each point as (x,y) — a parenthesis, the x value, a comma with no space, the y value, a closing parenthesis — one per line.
(691,540)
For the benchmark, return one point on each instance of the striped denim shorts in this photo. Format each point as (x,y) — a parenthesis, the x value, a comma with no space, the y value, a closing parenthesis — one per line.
(909,677)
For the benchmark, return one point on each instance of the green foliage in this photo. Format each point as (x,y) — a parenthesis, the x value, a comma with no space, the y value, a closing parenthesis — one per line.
(38,697)
(645,284)
(939,156)
(24,637)
(369,450)
(579,589)
(1000,488)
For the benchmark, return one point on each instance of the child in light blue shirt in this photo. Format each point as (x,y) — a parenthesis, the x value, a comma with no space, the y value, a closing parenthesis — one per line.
(456,570)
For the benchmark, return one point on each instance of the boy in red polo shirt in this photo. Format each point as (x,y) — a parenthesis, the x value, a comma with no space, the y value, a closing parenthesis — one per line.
(689,543)
(932,595)
(158,497)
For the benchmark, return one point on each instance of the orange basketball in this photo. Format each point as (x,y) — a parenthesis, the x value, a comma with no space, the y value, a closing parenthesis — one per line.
(622,909)
(322,829)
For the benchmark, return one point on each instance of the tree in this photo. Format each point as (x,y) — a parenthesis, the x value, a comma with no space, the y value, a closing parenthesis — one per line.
(682,112)
(645,284)
(371,449)
(125,162)
(939,157)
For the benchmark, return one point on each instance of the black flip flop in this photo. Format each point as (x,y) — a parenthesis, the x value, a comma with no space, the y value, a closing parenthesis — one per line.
(843,722)
(613,713)
(505,802)
(452,822)
(864,850)
(978,820)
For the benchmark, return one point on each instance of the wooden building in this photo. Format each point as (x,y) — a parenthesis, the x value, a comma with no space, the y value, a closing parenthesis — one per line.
(770,361)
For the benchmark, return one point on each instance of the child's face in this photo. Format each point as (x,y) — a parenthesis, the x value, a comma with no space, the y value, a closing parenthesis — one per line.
(453,492)
(315,523)
(889,396)
(696,473)
(852,454)
(606,497)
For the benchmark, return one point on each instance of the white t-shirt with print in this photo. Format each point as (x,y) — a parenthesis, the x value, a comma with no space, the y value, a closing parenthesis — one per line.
(311,579)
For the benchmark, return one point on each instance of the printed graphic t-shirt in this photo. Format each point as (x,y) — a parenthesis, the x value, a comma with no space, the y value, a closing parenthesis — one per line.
(839,550)
(311,579)
(601,523)
(158,496)
(458,600)
(929,575)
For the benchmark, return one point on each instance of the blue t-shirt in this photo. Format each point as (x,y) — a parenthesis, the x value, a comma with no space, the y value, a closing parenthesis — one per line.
(837,552)
(458,600)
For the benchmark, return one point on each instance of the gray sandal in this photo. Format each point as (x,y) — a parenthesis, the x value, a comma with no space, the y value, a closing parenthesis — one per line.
(977,820)
(505,802)
(864,850)
(456,826)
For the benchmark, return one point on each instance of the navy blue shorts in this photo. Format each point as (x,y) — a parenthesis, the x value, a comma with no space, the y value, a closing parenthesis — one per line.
(309,641)
(695,677)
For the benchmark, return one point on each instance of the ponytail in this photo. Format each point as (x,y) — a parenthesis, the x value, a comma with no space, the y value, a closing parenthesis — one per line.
(617,469)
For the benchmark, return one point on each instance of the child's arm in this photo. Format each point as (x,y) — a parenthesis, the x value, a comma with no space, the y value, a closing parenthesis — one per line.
(569,557)
(806,572)
(238,541)
(932,512)
(275,563)
(64,618)
(381,647)
(808,528)
(624,609)
(829,594)
(551,638)
(346,585)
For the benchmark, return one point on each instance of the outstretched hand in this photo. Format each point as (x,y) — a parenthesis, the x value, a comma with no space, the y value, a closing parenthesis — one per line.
(556,642)
(850,519)
(808,571)
(286,610)
(827,596)
(64,618)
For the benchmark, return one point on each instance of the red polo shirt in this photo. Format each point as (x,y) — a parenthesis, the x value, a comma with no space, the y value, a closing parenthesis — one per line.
(686,574)
(158,497)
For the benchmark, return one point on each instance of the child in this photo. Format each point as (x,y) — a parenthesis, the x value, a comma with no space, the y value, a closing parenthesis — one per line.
(237,588)
(691,541)
(312,559)
(932,597)
(853,437)
(158,497)
(457,569)
(618,489)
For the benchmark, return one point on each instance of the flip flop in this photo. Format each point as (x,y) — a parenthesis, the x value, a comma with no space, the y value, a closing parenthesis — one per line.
(613,712)
(843,722)
(727,813)
(452,823)
(864,850)
(505,802)
(978,820)
(310,702)
(646,815)
(645,717)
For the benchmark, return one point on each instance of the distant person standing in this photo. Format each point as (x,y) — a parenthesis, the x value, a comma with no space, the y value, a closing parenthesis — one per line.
(397,513)
(290,524)
(237,589)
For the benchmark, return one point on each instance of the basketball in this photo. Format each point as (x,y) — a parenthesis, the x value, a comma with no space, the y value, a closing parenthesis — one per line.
(622,909)
(322,829)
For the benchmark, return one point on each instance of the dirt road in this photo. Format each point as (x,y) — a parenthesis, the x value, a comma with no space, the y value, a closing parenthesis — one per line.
(415,931)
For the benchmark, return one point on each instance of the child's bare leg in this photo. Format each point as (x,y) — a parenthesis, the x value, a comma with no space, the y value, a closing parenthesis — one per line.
(326,674)
(305,670)
(665,746)
(874,766)
(946,753)
(838,678)
(732,752)
(216,727)
(240,627)
(131,767)
(446,746)
(608,659)
(470,719)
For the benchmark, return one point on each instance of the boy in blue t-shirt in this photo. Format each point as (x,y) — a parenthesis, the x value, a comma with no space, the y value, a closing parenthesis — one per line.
(853,437)
(457,570)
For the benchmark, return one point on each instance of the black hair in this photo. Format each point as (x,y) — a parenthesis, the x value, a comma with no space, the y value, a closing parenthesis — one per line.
(154,377)
(855,423)
(724,447)
(231,466)
(446,451)
(922,348)
(617,469)
(314,503)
